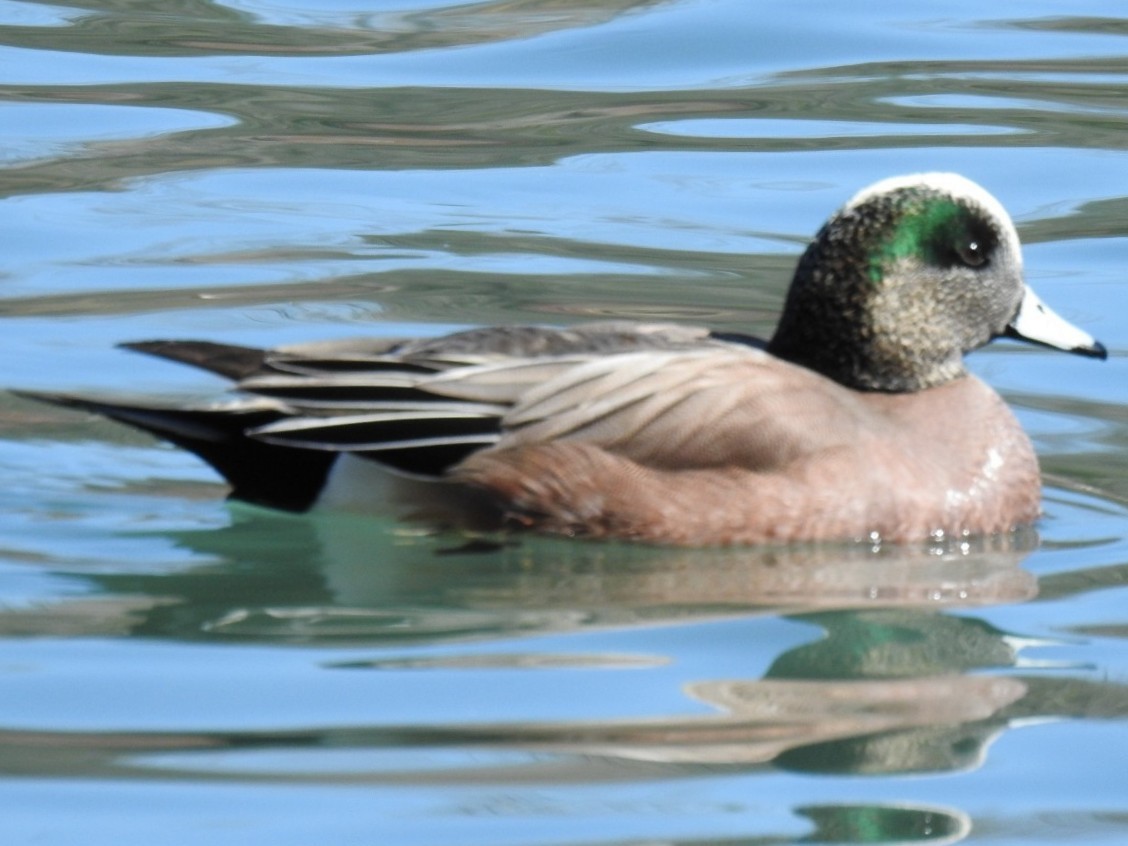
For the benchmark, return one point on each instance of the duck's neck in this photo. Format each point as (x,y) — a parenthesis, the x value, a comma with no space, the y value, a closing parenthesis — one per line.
(841,363)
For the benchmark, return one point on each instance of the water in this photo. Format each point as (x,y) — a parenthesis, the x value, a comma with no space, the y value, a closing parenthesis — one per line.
(180,670)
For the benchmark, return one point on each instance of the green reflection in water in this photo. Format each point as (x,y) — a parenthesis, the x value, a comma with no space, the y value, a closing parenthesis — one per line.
(883,824)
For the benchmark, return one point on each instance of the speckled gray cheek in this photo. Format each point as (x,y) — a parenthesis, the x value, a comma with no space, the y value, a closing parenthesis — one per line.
(953,285)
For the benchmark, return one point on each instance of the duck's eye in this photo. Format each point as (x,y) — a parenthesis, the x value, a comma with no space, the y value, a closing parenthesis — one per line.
(971,252)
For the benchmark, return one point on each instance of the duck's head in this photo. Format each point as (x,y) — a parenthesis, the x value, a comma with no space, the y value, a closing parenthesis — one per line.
(911,274)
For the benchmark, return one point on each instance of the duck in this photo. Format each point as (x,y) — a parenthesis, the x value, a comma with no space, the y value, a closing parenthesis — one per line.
(857,420)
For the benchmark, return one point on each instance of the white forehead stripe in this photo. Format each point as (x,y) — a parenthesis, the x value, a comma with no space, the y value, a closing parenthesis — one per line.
(947,183)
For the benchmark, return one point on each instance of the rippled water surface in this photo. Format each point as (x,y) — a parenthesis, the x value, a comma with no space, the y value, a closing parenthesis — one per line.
(179,670)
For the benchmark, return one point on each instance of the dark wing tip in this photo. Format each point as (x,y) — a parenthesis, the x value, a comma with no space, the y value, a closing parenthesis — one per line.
(229,360)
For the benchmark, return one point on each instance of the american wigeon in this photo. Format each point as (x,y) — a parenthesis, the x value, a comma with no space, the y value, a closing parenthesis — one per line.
(857,420)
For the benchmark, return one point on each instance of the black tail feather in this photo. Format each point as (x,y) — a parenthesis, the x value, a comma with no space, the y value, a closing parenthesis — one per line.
(273,475)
